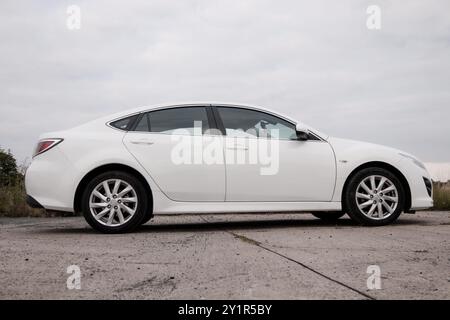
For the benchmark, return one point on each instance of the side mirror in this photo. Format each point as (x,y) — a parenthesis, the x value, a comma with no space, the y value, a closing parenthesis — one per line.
(302,132)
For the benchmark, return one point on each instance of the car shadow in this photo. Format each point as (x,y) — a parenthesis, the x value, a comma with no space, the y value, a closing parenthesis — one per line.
(234,225)
(241,225)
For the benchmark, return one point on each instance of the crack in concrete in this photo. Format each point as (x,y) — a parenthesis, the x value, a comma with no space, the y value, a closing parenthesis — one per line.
(152,283)
(260,245)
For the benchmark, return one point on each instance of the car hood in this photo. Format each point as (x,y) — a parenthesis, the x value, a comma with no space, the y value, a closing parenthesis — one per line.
(345,148)
(349,143)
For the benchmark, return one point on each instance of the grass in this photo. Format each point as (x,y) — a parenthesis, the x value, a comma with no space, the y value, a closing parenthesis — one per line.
(13,201)
(441,196)
(13,204)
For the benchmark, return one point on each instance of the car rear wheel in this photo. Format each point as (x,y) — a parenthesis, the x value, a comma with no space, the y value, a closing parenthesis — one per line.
(375,197)
(147,218)
(114,202)
(329,216)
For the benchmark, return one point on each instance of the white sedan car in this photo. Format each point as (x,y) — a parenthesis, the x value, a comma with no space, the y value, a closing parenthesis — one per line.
(121,170)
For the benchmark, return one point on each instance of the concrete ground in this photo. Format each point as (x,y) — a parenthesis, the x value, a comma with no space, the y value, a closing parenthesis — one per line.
(270,256)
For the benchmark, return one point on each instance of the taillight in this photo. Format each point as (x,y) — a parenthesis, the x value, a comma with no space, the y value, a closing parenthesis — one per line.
(45,145)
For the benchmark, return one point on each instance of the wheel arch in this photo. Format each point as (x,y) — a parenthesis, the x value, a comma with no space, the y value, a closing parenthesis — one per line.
(105,168)
(386,166)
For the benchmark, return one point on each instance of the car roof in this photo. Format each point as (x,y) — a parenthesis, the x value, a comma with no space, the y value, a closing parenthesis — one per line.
(196,104)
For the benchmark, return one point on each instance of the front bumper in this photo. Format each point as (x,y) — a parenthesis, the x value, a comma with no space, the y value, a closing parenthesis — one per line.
(421,190)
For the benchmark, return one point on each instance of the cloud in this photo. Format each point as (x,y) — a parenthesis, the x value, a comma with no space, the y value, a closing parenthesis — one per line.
(313,60)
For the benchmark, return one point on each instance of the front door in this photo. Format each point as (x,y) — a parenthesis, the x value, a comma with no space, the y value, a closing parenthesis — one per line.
(266,162)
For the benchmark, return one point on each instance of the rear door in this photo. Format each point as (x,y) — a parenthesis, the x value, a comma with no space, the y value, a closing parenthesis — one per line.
(171,145)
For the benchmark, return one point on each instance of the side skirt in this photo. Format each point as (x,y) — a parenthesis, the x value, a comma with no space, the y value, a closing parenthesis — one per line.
(173,207)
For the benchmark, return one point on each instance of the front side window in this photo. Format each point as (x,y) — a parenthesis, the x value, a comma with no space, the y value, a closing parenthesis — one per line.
(168,120)
(250,123)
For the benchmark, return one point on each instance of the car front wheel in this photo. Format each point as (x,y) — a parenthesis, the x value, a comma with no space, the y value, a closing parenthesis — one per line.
(375,197)
(114,202)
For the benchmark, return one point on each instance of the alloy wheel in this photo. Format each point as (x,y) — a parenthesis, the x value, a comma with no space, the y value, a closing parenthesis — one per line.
(377,197)
(113,202)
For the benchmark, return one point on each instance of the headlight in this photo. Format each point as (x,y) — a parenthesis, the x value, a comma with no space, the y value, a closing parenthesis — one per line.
(416,162)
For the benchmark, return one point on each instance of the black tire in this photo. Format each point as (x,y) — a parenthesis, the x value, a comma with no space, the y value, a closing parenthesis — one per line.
(351,204)
(148,217)
(329,216)
(141,207)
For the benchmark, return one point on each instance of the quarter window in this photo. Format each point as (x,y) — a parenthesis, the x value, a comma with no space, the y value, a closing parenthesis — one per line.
(125,123)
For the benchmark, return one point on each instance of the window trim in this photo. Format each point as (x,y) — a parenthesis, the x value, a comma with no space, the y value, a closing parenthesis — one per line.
(216,124)
(218,120)
(138,120)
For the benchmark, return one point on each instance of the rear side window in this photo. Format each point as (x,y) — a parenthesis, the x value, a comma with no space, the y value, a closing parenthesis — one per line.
(168,120)
(125,123)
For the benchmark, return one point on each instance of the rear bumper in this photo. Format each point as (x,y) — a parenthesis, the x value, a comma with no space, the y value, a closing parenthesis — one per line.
(49,181)
(33,203)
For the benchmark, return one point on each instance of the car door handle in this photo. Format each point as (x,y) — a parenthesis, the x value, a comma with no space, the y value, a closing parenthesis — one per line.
(144,142)
(237,147)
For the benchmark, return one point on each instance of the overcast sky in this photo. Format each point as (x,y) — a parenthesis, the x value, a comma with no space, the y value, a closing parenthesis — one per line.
(314,60)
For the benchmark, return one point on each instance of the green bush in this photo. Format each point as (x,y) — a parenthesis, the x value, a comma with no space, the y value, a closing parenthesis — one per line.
(8,168)
(12,189)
